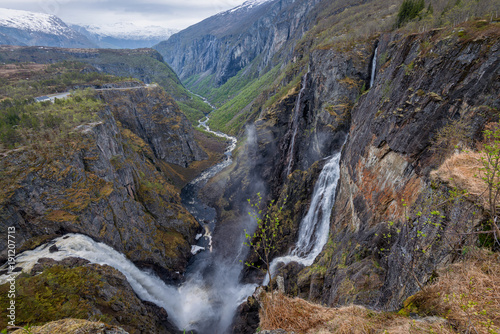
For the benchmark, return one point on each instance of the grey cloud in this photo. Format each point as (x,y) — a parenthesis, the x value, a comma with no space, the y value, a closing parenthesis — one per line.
(170,13)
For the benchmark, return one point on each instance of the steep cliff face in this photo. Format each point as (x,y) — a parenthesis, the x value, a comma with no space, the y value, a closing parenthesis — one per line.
(424,83)
(219,47)
(285,148)
(109,182)
(158,122)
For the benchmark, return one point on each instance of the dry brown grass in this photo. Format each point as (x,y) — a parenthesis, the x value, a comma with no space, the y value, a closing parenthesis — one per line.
(465,299)
(462,170)
(72,326)
(467,294)
(18,71)
(299,316)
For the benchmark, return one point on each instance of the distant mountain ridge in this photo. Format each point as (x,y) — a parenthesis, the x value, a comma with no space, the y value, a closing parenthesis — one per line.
(124,35)
(25,28)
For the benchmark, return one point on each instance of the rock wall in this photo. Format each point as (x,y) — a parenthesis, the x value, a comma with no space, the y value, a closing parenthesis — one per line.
(424,82)
(226,43)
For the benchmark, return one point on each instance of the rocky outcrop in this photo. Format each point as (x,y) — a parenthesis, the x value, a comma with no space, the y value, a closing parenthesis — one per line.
(247,317)
(109,182)
(68,326)
(376,256)
(158,122)
(76,289)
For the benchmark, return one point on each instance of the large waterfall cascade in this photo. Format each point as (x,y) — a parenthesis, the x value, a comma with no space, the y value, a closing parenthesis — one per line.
(207,300)
(314,227)
(186,305)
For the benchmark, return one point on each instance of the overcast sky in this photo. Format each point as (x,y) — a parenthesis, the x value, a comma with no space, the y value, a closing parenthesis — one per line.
(167,13)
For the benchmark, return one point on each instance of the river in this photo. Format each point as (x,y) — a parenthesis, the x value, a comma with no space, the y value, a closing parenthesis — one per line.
(206,302)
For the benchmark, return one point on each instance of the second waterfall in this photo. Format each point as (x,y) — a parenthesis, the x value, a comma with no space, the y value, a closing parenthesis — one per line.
(314,227)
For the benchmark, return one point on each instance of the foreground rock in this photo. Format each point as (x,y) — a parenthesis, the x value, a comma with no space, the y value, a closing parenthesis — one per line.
(70,326)
(73,288)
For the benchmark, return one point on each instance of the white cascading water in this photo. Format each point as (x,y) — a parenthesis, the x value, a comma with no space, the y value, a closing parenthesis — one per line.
(296,122)
(374,67)
(313,231)
(186,305)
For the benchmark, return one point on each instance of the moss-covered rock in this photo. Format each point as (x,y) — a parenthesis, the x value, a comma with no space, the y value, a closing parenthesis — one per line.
(73,288)
(71,326)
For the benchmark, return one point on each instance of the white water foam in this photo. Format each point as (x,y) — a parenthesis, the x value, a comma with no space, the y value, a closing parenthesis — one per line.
(187,305)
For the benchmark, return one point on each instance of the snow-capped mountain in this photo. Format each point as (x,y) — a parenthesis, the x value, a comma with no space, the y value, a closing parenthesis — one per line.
(31,21)
(125,35)
(248,5)
(127,30)
(21,27)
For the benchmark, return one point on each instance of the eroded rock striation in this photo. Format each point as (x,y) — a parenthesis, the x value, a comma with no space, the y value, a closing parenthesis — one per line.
(386,166)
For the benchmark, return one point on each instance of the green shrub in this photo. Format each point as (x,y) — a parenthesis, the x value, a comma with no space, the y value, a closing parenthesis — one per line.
(409,10)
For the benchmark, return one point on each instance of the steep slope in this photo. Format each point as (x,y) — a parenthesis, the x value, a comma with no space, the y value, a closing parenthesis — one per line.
(100,163)
(19,27)
(216,49)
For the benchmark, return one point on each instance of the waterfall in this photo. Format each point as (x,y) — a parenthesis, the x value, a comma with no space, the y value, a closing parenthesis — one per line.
(207,301)
(295,122)
(313,231)
(374,67)
(188,305)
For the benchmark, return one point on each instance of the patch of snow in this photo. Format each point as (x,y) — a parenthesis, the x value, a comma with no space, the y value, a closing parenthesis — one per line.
(31,21)
(196,249)
(249,5)
(128,30)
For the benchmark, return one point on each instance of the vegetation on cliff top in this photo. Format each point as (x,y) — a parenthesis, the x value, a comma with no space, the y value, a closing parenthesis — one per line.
(28,80)
(24,123)
(462,299)
(144,64)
